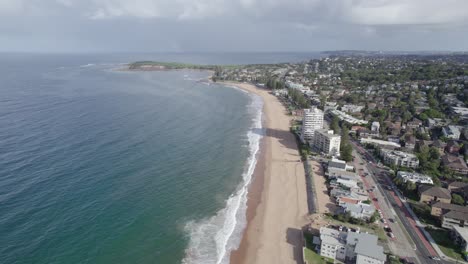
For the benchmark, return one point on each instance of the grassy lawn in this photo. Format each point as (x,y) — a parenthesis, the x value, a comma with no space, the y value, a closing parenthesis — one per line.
(445,243)
(371,228)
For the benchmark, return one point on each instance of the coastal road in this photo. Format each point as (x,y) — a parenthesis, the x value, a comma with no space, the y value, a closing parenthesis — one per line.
(423,249)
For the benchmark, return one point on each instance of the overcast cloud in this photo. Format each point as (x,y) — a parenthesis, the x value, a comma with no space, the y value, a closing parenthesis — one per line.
(232,25)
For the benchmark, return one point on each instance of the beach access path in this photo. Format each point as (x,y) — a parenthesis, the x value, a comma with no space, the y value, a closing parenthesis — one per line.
(276,216)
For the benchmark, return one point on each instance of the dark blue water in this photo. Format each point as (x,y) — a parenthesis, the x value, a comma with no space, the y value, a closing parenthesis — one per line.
(101,166)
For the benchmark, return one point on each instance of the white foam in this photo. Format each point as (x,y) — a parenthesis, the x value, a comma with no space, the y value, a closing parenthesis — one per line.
(213,239)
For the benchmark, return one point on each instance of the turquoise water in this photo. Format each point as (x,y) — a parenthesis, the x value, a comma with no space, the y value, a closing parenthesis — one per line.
(102,166)
(109,167)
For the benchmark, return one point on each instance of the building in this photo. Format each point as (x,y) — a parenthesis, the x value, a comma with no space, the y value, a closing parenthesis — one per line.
(327,142)
(378,142)
(455,218)
(452,132)
(363,249)
(375,127)
(354,247)
(455,163)
(347,118)
(350,108)
(439,209)
(399,158)
(457,186)
(332,243)
(338,164)
(429,194)
(415,177)
(312,121)
(460,236)
(360,210)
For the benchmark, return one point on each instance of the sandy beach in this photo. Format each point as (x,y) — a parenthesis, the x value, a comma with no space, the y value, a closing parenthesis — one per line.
(277,205)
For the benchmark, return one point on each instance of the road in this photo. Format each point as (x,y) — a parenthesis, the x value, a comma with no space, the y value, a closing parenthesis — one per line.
(407,234)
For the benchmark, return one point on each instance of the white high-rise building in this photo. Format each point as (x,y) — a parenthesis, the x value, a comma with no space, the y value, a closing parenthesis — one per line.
(327,142)
(312,120)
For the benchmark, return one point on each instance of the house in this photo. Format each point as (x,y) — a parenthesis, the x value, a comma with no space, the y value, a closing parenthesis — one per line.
(460,236)
(354,247)
(338,164)
(457,187)
(452,147)
(440,145)
(439,209)
(410,142)
(358,210)
(430,195)
(455,163)
(413,124)
(452,132)
(375,127)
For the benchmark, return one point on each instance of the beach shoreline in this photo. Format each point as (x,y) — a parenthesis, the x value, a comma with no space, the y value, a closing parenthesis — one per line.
(277,203)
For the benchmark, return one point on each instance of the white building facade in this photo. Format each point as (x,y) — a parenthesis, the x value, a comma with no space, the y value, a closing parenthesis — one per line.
(312,121)
(327,142)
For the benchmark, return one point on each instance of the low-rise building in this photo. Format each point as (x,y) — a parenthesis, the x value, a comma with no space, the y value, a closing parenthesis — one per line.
(347,118)
(431,194)
(415,177)
(358,210)
(439,209)
(455,218)
(335,163)
(360,248)
(327,142)
(375,127)
(399,158)
(452,132)
(455,163)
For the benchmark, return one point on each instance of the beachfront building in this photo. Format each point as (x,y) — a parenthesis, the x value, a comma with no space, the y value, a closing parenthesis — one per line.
(399,158)
(327,142)
(312,121)
(358,210)
(338,164)
(351,247)
(415,177)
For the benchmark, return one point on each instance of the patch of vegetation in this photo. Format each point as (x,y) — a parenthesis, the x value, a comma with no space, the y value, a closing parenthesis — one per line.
(445,243)
(423,211)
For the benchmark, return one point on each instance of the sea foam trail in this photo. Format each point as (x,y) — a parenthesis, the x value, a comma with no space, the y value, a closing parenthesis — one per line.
(213,239)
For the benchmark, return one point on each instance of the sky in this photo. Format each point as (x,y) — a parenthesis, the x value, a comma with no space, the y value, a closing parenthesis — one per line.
(232,25)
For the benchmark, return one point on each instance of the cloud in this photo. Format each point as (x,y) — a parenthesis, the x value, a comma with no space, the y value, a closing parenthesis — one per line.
(267,24)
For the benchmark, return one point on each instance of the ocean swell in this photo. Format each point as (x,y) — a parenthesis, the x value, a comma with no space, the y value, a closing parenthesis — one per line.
(213,239)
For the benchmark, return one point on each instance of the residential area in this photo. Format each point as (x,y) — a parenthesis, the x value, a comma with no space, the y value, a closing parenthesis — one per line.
(384,138)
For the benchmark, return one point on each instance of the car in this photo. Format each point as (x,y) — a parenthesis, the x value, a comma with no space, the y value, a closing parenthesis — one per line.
(434,258)
(391,220)
(375,199)
(383,220)
(391,235)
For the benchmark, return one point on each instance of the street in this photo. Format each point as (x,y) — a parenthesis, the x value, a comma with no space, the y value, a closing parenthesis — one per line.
(409,240)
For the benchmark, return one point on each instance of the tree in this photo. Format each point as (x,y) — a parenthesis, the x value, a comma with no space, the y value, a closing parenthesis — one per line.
(334,125)
(457,199)
(346,153)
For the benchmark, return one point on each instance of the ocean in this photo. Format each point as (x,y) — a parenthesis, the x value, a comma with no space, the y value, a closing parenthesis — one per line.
(106,166)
